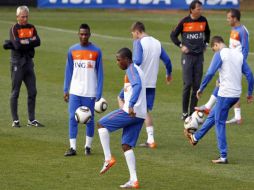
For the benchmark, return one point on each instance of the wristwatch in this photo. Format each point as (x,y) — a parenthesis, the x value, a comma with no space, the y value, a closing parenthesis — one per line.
(180,45)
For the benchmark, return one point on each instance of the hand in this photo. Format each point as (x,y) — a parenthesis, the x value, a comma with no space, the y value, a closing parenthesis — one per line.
(199,94)
(184,49)
(131,112)
(249,99)
(66,97)
(33,38)
(168,79)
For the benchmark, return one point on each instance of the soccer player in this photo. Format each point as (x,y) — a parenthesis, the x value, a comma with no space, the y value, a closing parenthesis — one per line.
(83,84)
(130,118)
(23,39)
(147,52)
(239,39)
(231,64)
(195,33)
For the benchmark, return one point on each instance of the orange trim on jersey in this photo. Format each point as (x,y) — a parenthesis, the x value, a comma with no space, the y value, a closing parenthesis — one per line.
(84,55)
(194,26)
(126,80)
(25,32)
(235,35)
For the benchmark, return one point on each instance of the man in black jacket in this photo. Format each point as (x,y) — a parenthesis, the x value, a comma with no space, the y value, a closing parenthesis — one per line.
(23,40)
(195,33)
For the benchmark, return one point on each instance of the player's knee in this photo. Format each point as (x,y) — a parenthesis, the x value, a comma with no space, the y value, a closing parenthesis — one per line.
(99,125)
(14,94)
(187,85)
(126,147)
(32,93)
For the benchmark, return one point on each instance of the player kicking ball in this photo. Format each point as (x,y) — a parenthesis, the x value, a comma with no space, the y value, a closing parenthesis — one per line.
(129,117)
(230,64)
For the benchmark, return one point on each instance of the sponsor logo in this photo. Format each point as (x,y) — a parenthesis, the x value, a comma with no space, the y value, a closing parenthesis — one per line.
(215,2)
(144,2)
(82,64)
(195,36)
(76,1)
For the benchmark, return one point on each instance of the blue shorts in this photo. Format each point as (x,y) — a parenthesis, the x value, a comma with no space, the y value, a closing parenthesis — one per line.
(75,102)
(120,119)
(150,96)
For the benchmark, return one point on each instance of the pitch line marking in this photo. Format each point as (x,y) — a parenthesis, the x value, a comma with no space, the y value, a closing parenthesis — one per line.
(93,34)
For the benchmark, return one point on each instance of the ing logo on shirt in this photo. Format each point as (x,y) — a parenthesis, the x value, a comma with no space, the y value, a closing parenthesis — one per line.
(82,64)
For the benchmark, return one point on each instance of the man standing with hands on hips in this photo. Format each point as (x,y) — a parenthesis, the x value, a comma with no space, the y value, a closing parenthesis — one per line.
(195,33)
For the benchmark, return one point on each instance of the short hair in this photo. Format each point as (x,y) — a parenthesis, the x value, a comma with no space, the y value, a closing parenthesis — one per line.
(216,39)
(84,26)
(194,3)
(21,9)
(235,13)
(139,26)
(125,53)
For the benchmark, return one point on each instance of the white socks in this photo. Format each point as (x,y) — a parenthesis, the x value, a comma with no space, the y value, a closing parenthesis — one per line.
(73,143)
(105,142)
(150,138)
(237,113)
(131,163)
(89,141)
(211,102)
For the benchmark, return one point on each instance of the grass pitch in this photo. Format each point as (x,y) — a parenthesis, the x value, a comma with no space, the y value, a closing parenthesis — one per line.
(33,158)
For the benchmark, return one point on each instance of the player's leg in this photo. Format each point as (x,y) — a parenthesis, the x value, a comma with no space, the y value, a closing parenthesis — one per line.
(17,78)
(212,100)
(74,103)
(89,102)
(30,82)
(197,77)
(150,96)
(224,104)
(187,75)
(109,123)
(207,125)
(237,119)
(129,138)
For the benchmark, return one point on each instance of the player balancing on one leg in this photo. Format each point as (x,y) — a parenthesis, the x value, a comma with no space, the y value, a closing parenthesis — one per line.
(130,118)
(230,64)
(239,40)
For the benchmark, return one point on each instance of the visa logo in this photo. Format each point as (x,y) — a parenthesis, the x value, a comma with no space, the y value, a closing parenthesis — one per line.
(76,1)
(142,2)
(216,2)
(145,2)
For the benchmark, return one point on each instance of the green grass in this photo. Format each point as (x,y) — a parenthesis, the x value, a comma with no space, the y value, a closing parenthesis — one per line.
(33,158)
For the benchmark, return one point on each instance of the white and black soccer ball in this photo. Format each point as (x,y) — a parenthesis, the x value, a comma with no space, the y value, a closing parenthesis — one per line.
(191,124)
(200,116)
(83,115)
(101,105)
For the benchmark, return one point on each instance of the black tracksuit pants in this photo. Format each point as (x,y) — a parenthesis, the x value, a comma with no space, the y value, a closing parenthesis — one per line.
(23,70)
(192,71)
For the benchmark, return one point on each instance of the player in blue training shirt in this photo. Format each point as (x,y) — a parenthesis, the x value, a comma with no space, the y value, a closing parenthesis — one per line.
(130,117)
(147,52)
(239,40)
(83,85)
(231,64)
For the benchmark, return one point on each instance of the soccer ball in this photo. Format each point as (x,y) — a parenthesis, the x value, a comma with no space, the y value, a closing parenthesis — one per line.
(200,116)
(83,115)
(191,124)
(101,105)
